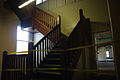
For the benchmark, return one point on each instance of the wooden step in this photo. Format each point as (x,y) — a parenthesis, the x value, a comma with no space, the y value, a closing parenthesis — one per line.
(52,59)
(49,72)
(50,66)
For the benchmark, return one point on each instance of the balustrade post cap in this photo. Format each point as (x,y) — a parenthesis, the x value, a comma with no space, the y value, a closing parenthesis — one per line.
(5,52)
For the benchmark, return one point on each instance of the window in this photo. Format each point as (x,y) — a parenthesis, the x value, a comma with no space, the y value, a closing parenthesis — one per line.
(40,1)
(107,54)
(22,40)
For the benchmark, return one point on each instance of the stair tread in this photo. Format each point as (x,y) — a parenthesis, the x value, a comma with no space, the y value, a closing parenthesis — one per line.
(55,53)
(53,59)
(48,72)
(52,65)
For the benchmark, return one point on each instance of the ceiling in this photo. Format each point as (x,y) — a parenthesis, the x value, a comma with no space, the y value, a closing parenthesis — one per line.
(23,15)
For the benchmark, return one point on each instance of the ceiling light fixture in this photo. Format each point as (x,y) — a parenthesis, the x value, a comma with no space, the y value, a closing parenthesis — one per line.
(26,3)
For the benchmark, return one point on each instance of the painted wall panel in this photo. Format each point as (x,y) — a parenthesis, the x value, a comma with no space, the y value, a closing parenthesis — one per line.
(52,4)
(69,1)
(60,3)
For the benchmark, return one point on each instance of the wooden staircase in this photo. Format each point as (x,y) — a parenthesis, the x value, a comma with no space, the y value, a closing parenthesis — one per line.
(45,61)
(52,61)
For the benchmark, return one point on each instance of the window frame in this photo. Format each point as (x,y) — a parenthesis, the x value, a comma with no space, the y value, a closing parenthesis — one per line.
(18,40)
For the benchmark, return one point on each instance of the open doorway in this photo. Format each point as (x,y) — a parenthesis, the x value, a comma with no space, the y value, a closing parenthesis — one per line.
(105,57)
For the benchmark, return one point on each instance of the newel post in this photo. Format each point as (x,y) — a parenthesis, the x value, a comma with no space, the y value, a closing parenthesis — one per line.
(59,24)
(81,13)
(4,64)
(4,60)
(30,55)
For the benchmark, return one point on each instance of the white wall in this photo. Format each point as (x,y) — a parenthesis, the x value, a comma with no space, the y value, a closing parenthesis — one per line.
(96,10)
(8,22)
(101,54)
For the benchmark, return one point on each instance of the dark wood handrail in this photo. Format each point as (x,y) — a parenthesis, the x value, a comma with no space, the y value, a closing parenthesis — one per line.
(46,43)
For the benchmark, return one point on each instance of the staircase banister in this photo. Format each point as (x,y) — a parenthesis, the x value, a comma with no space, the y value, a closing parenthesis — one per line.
(46,35)
(45,13)
(82,17)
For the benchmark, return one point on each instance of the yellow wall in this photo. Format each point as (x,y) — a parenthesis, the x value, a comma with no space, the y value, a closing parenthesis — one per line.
(96,10)
(8,22)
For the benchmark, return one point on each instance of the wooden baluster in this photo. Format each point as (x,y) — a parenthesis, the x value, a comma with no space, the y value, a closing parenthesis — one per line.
(23,62)
(20,62)
(51,22)
(48,21)
(40,53)
(50,44)
(34,58)
(42,17)
(44,48)
(53,36)
(17,62)
(25,65)
(56,35)
(49,41)
(45,19)
(39,16)
(47,44)
(22,68)
(55,22)
(37,55)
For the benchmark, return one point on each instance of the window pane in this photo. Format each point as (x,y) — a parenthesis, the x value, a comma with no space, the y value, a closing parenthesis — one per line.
(107,54)
(44,0)
(22,46)
(38,2)
(22,40)
(22,35)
